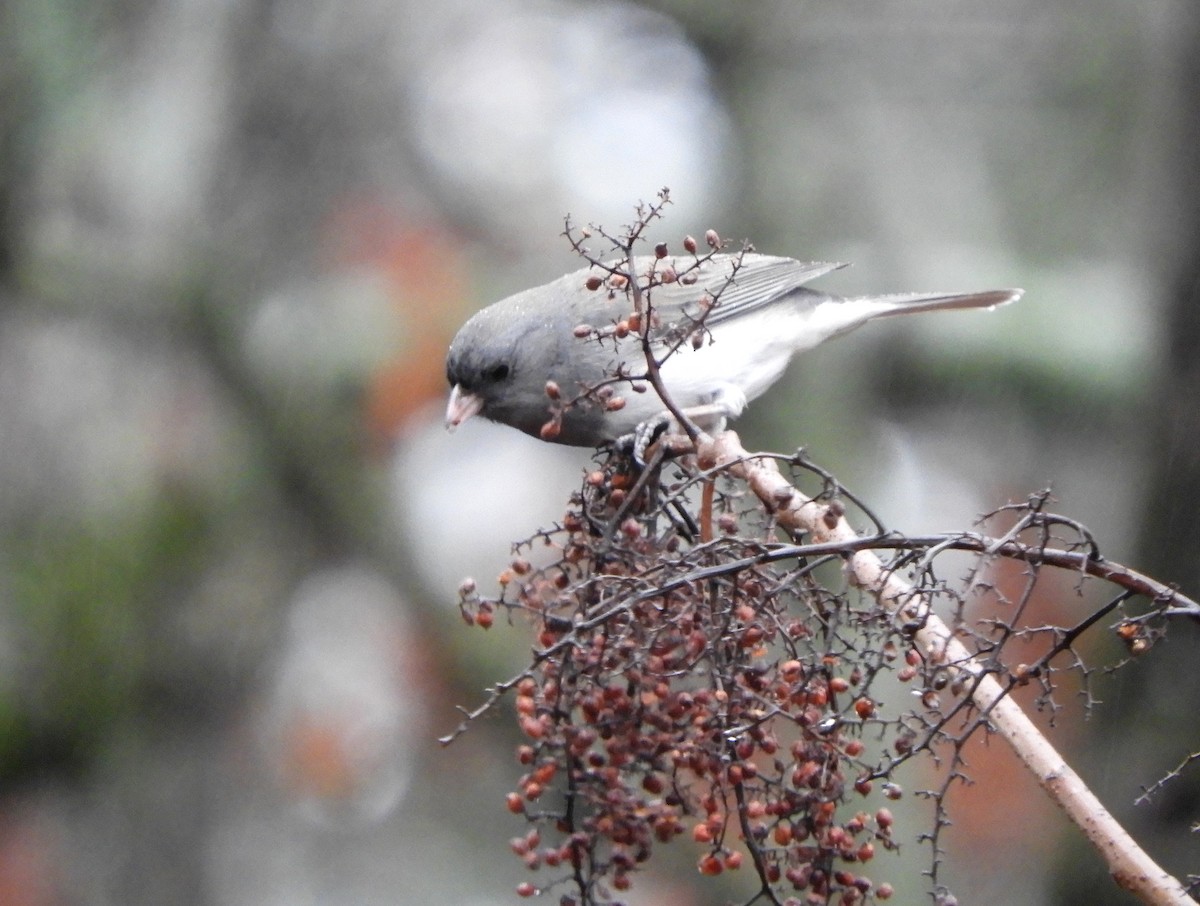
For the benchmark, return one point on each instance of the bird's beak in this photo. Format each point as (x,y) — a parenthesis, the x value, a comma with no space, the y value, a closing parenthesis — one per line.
(462,406)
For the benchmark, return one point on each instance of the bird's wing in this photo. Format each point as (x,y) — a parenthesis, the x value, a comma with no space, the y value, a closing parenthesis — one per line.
(758,281)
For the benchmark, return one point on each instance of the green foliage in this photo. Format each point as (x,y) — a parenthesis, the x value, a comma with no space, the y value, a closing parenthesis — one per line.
(84,601)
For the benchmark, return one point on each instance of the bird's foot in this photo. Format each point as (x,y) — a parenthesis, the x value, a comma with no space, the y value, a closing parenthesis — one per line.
(636,442)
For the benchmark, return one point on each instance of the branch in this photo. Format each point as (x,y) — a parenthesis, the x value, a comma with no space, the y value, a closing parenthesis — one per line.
(1130,866)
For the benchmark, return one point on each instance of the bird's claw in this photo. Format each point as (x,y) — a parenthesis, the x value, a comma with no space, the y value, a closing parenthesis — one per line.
(636,442)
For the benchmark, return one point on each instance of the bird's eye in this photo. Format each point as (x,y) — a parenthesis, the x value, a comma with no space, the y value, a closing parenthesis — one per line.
(497,372)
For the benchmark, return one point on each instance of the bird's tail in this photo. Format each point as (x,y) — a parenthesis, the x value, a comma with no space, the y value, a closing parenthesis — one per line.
(910,303)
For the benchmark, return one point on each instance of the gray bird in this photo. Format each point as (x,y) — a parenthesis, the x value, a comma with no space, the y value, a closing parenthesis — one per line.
(723,333)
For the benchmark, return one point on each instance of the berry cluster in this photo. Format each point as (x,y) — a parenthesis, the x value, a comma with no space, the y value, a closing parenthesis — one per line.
(682,689)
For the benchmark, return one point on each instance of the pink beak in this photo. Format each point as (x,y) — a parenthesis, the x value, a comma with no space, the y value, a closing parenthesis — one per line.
(461,407)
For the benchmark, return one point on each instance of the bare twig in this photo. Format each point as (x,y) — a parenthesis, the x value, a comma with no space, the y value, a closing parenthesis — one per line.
(1130,866)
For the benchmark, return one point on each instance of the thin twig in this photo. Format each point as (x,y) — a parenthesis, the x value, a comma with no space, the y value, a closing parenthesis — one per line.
(1131,867)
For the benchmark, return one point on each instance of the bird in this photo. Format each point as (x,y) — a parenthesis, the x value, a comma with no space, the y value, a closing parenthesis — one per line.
(563,361)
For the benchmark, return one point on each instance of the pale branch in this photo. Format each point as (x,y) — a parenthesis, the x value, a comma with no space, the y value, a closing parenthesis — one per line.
(1130,866)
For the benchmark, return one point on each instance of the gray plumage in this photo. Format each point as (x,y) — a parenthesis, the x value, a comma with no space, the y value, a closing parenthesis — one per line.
(501,359)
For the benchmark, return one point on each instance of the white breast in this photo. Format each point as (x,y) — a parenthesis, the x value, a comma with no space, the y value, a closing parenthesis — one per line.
(751,352)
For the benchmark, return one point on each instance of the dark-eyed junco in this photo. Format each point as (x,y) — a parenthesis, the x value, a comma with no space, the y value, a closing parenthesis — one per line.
(722,328)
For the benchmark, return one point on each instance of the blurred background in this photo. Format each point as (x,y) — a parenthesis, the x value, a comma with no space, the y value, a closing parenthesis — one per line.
(236,237)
